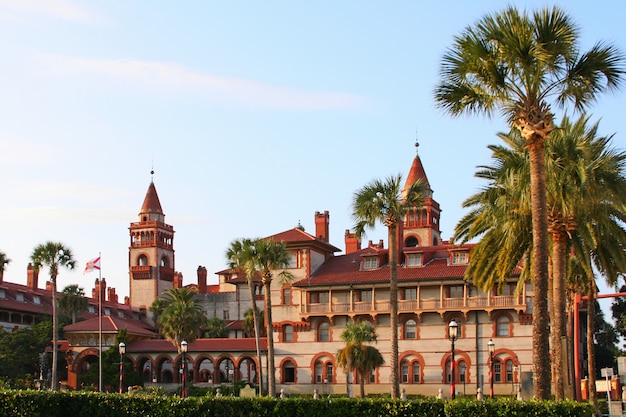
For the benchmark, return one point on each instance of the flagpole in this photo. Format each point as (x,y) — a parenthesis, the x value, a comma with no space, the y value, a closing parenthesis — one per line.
(100,324)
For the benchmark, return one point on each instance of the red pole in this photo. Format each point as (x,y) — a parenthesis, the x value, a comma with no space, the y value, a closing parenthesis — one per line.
(452,376)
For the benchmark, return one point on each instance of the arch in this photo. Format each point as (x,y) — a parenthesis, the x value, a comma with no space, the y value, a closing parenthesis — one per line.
(410,329)
(323,368)
(411,241)
(247,370)
(205,369)
(164,262)
(142,260)
(288,371)
(502,325)
(411,367)
(226,369)
(145,369)
(460,319)
(323,331)
(459,356)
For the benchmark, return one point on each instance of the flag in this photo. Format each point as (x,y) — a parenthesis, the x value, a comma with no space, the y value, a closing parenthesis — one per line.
(92,265)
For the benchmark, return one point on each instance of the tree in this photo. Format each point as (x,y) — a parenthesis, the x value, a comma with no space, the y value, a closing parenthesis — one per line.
(216,328)
(385,202)
(72,301)
(4,261)
(240,256)
(53,255)
(181,317)
(356,356)
(248,323)
(521,65)
(20,350)
(270,256)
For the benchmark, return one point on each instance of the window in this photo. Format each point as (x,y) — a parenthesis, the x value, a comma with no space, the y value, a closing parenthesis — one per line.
(416,372)
(120,314)
(107,311)
(286,296)
(142,260)
(372,378)
(289,372)
(288,333)
(462,371)
(323,332)
(497,370)
(509,370)
(502,326)
(19,297)
(91,309)
(459,258)
(410,329)
(409,293)
(363,295)
(455,291)
(319,297)
(292,260)
(404,371)
(329,372)
(411,242)
(319,372)
(163,261)
(370,262)
(2,294)
(413,259)
(36,299)
(226,314)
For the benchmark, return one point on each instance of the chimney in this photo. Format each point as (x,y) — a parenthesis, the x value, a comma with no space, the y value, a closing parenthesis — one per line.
(178,279)
(381,245)
(112,297)
(202,280)
(353,244)
(32,280)
(127,300)
(99,286)
(48,286)
(321,225)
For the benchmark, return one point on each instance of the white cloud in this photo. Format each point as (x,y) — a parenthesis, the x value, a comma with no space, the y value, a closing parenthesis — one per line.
(168,76)
(58,9)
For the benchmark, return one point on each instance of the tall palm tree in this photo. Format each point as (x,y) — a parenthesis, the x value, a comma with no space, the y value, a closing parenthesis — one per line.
(53,255)
(522,64)
(356,356)
(4,261)
(240,256)
(216,328)
(270,256)
(182,317)
(386,202)
(72,301)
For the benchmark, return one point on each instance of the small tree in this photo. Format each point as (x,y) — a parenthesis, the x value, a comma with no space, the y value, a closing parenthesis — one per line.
(72,301)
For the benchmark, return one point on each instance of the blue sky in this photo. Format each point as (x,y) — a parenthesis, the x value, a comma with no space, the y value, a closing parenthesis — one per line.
(254,115)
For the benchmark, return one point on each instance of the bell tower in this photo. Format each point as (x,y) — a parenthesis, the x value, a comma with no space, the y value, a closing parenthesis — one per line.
(151,253)
(420,226)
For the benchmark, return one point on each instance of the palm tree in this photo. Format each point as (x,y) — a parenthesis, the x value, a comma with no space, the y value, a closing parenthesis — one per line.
(181,317)
(386,202)
(4,261)
(216,328)
(72,301)
(248,323)
(270,256)
(240,256)
(520,65)
(53,255)
(356,356)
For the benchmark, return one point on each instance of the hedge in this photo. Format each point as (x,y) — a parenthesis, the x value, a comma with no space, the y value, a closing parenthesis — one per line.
(32,403)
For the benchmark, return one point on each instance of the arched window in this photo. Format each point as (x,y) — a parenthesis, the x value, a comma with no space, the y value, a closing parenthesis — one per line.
(319,372)
(163,261)
(143,260)
(411,242)
(462,372)
(410,371)
(289,372)
(509,370)
(207,371)
(502,326)
(323,332)
(497,370)
(410,329)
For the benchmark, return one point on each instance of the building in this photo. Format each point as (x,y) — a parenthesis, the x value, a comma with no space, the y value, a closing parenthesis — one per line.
(330,288)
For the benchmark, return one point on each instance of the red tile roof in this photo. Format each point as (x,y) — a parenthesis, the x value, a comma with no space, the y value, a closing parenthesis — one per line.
(151,203)
(111,324)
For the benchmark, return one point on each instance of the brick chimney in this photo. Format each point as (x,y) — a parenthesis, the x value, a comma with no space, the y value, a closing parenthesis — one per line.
(99,286)
(178,279)
(321,225)
(353,244)
(202,279)
(127,300)
(32,280)
(112,296)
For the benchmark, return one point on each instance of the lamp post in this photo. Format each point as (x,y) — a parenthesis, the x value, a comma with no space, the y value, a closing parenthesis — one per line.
(122,350)
(492,347)
(453,334)
(183,350)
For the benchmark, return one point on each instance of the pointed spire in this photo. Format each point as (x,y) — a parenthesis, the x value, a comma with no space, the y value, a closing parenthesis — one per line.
(417,171)
(151,205)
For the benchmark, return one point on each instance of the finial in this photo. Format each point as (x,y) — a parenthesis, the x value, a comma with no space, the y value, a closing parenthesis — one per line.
(417,144)
(299,226)
(152,172)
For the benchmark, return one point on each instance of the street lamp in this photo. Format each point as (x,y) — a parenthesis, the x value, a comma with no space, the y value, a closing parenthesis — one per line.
(453,334)
(183,350)
(492,348)
(122,350)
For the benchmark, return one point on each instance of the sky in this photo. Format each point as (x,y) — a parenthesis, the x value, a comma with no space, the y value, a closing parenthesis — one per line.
(253,115)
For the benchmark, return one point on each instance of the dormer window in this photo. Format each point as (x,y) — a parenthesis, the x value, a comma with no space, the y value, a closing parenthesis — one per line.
(459,258)
(2,294)
(370,262)
(413,259)
(91,309)
(36,299)
(19,297)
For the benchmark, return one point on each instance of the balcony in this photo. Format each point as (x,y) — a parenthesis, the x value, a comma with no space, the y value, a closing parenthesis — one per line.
(425,305)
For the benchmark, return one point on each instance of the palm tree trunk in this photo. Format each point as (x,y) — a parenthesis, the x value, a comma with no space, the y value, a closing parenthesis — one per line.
(361,383)
(541,332)
(55,331)
(271,372)
(257,334)
(591,349)
(558,313)
(393,310)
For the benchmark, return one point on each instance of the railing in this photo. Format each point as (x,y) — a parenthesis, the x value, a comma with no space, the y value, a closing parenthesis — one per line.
(427,304)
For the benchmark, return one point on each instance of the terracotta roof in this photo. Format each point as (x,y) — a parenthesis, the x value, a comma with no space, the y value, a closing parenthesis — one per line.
(199,345)
(151,203)
(110,324)
(416,172)
(298,237)
(345,269)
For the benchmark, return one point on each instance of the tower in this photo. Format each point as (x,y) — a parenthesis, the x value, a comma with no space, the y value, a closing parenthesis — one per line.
(420,226)
(151,253)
